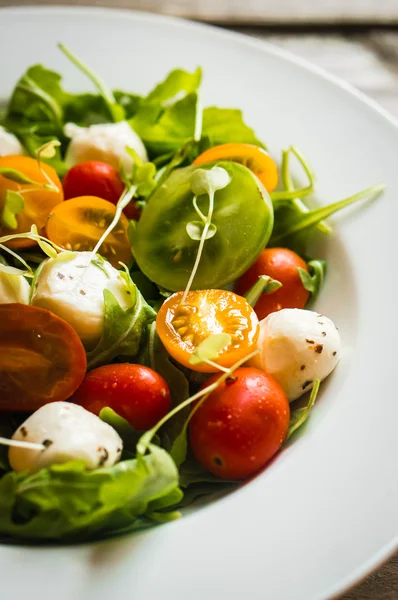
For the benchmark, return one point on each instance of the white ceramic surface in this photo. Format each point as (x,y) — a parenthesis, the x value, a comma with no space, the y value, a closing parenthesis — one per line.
(325,511)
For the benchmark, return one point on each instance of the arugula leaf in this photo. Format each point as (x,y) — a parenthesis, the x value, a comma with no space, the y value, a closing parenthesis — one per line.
(223,125)
(313,279)
(299,416)
(123,329)
(178,83)
(67,502)
(166,129)
(126,431)
(155,356)
(13,205)
(294,226)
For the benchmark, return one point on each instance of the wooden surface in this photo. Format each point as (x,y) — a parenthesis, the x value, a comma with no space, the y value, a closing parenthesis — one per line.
(367,59)
(254,11)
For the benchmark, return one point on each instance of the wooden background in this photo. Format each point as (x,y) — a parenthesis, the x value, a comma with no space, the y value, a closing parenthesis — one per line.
(354,39)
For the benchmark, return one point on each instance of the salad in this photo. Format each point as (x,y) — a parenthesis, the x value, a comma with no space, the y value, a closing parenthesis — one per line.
(156,304)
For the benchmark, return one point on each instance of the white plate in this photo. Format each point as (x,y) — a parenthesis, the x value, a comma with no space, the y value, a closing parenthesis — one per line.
(325,511)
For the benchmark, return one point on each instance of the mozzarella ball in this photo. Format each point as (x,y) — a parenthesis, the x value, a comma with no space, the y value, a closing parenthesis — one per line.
(297,347)
(9,143)
(68,432)
(13,288)
(106,142)
(72,287)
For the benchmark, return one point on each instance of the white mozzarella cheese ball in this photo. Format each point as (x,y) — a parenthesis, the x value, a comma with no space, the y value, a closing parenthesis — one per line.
(13,288)
(72,287)
(105,142)
(9,143)
(297,347)
(67,432)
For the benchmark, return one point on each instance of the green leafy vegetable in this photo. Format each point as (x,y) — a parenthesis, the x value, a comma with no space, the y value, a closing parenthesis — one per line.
(224,125)
(177,84)
(299,416)
(13,205)
(313,279)
(155,356)
(123,329)
(166,129)
(67,502)
(293,227)
(126,431)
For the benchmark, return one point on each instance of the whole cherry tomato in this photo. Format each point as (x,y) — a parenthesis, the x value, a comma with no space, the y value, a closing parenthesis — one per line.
(41,358)
(136,393)
(241,425)
(96,178)
(280,264)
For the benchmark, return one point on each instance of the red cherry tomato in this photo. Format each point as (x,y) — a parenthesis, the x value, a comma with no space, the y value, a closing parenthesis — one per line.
(136,393)
(280,264)
(241,425)
(96,178)
(41,358)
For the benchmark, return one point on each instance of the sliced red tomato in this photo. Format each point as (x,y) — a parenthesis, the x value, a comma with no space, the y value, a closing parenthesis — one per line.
(253,157)
(241,425)
(79,223)
(182,327)
(136,393)
(280,264)
(41,358)
(96,178)
(38,200)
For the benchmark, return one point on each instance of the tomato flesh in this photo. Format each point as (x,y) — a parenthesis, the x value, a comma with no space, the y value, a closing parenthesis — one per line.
(241,425)
(280,264)
(79,223)
(41,358)
(136,393)
(38,202)
(182,327)
(253,157)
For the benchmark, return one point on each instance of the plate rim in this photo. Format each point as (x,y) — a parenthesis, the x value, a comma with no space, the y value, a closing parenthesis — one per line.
(389,549)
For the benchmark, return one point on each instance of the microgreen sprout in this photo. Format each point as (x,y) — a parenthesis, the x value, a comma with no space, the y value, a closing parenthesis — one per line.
(115,110)
(204,181)
(21,444)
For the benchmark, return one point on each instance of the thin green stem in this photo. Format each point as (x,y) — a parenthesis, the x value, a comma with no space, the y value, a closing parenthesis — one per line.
(201,246)
(102,88)
(15,255)
(123,202)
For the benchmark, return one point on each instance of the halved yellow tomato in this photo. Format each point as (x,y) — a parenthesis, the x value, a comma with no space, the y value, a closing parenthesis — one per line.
(38,200)
(79,223)
(182,327)
(253,157)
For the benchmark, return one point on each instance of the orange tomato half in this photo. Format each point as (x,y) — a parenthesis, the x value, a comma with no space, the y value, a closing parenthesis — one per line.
(79,223)
(253,157)
(182,327)
(39,201)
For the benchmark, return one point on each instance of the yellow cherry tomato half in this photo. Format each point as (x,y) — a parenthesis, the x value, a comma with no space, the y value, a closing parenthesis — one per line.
(182,327)
(253,157)
(38,199)
(78,224)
